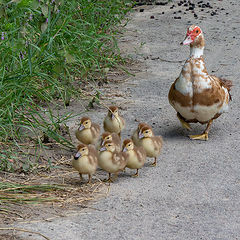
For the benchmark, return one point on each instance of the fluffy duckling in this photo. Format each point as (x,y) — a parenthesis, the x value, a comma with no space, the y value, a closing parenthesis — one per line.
(107,136)
(152,144)
(88,132)
(136,155)
(135,136)
(110,160)
(113,122)
(85,160)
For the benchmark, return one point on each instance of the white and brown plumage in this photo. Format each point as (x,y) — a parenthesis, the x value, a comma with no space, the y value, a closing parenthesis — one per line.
(136,156)
(196,95)
(107,136)
(110,160)
(137,132)
(85,160)
(113,122)
(151,144)
(88,132)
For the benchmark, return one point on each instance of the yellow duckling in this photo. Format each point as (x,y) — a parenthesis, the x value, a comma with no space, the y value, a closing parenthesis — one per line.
(110,160)
(113,122)
(107,136)
(152,144)
(88,132)
(135,136)
(85,160)
(136,155)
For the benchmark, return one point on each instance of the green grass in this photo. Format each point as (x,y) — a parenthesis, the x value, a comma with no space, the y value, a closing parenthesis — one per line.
(44,47)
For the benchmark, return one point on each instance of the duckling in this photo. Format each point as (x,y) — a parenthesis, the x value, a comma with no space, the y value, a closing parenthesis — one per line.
(85,160)
(110,160)
(135,136)
(107,136)
(113,122)
(136,155)
(152,144)
(88,132)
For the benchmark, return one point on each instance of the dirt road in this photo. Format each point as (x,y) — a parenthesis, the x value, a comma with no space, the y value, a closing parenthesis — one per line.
(193,193)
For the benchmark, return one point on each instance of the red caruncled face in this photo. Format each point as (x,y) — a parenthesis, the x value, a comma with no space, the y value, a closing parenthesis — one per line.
(191,35)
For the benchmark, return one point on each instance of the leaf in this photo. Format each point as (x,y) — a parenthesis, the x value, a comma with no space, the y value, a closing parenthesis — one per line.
(69,58)
(44,10)
(44,26)
(35,4)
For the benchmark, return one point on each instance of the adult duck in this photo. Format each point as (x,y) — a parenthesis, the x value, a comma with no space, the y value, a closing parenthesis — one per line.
(196,95)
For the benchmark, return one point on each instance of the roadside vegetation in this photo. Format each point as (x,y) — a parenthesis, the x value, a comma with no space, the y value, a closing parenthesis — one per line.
(45,46)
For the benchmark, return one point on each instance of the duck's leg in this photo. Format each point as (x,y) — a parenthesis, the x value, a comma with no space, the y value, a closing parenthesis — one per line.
(154,164)
(183,122)
(136,174)
(89,178)
(203,136)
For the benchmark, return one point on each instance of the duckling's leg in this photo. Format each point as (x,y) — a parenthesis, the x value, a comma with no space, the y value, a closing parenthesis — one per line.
(203,136)
(136,174)
(81,177)
(89,178)
(109,178)
(182,120)
(154,164)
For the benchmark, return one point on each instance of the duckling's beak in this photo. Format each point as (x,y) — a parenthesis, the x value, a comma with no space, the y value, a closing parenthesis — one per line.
(140,135)
(112,116)
(124,149)
(102,142)
(187,40)
(102,149)
(81,127)
(77,155)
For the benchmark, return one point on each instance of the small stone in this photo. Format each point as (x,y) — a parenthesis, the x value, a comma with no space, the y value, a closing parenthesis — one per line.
(141,10)
(152,17)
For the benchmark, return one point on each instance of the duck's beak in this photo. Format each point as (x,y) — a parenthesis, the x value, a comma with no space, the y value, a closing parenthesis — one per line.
(81,127)
(140,135)
(124,150)
(77,155)
(102,149)
(187,40)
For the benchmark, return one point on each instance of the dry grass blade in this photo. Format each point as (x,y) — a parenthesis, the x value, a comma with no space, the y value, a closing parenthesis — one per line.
(25,230)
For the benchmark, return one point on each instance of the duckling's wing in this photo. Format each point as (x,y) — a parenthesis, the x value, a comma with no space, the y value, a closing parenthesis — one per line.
(158,142)
(95,130)
(141,153)
(120,159)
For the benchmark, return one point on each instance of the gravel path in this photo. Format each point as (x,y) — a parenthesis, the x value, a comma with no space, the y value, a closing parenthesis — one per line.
(194,192)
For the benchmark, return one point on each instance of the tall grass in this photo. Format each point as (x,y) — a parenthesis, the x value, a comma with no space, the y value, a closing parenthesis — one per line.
(44,46)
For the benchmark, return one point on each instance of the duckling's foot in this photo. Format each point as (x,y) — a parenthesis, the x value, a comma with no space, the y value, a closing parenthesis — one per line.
(136,174)
(89,178)
(182,121)
(109,180)
(154,164)
(203,137)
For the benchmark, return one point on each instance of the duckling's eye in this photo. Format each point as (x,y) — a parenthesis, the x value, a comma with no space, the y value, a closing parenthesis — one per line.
(146,132)
(197,31)
(108,137)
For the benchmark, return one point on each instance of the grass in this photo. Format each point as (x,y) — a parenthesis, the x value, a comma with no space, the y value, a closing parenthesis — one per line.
(44,47)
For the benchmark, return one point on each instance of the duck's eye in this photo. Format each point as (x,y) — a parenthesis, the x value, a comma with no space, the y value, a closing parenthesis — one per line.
(197,31)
